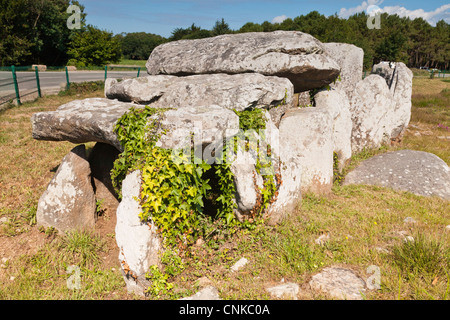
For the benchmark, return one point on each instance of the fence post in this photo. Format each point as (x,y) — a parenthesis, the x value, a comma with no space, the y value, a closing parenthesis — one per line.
(67,78)
(106,72)
(16,86)
(37,81)
(139,71)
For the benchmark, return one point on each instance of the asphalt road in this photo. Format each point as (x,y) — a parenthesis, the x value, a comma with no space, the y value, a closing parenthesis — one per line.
(53,79)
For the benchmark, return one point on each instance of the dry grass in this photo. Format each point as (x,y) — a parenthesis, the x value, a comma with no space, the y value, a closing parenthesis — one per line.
(365,224)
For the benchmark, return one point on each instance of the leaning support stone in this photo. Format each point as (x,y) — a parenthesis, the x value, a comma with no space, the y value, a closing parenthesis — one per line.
(69,201)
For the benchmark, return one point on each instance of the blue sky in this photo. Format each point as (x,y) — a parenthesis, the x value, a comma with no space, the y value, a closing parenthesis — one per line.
(163,16)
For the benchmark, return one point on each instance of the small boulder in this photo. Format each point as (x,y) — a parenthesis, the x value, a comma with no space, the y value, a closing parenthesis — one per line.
(339,283)
(208,293)
(285,291)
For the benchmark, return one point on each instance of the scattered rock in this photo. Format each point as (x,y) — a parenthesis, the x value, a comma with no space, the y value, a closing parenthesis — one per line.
(238,91)
(203,282)
(418,172)
(3,220)
(239,265)
(41,67)
(69,201)
(339,283)
(381,250)
(285,291)
(292,54)
(409,220)
(447,228)
(4,263)
(208,293)
(322,239)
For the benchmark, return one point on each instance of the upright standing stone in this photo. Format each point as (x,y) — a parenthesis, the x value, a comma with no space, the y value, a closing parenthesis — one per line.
(336,103)
(306,134)
(138,241)
(350,60)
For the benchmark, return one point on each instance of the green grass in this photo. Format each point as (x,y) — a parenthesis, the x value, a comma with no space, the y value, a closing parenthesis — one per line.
(127,62)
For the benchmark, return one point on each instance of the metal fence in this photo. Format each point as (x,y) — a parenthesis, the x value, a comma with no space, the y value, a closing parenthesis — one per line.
(16,83)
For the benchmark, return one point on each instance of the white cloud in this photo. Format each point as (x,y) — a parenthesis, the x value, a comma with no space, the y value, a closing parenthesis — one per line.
(441,13)
(279,19)
(345,13)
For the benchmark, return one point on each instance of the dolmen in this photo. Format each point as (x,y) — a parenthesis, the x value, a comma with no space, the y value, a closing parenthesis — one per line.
(318,112)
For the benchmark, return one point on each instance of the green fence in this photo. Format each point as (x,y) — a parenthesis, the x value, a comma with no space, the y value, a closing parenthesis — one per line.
(18,82)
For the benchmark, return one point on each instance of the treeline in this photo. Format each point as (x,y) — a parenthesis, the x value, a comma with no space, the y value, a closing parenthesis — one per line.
(36,32)
(414,42)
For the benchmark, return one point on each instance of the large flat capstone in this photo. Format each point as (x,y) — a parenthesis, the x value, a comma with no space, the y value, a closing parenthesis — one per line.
(81,121)
(239,91)
(291,54)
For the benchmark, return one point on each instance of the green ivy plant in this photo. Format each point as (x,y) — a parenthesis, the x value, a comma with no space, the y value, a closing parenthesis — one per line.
(175,187)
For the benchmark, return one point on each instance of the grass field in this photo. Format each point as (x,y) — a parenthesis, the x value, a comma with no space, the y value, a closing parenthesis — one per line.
(365,226)
(139,63)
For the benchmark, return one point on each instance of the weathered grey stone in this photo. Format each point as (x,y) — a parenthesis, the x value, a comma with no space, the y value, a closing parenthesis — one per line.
(81,121)
(306,134)
(379,117)
(239,91)
(210,126)
(401,90)
(350,60)
(208,293)
(244,172)
(285,291)
(322,239)
(335,101)
(418,172)
(138,242)
(371,107)
(386,71)
(292,54)
(239,265)
(69,202)
(339,283)
(289,193)
(409,220)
